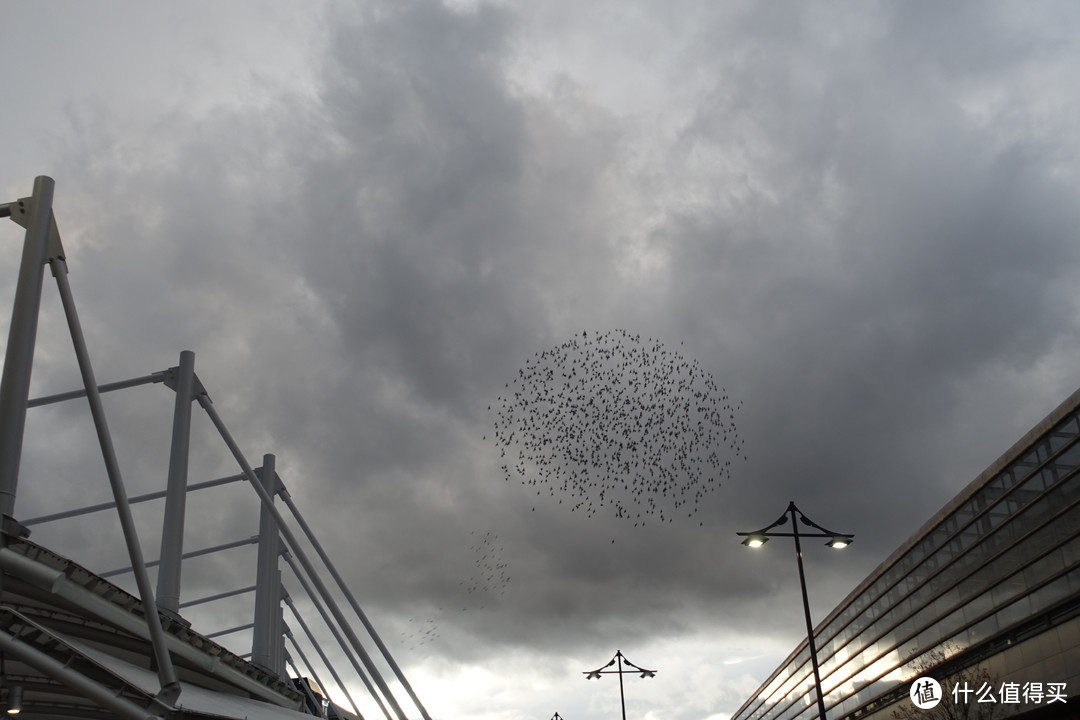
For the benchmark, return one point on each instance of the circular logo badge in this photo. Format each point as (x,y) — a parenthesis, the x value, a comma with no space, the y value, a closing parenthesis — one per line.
(925,693)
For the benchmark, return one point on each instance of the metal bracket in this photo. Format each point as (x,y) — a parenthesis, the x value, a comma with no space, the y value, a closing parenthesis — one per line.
(169,380)
(16,210)
(19,212)
(12,528)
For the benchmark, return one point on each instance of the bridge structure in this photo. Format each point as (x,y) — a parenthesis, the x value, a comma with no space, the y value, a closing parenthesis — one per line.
(75,644)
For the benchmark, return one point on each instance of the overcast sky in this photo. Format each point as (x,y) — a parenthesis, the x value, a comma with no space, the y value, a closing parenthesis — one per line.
(857,218)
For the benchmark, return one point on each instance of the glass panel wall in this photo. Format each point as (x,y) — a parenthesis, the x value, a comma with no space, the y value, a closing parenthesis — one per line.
(1010,550)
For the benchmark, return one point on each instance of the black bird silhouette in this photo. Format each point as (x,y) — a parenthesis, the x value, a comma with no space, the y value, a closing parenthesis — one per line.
(609,420)
(419,634)
(490,578)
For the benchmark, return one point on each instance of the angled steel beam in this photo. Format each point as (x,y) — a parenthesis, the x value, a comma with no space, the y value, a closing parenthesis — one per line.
(316,705)
(170,686)
(284,492)
(291,540)
(314,598)
(303,658)
(322,655)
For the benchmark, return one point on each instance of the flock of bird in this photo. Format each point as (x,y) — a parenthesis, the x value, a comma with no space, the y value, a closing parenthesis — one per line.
(419,634)
(603,420)
(610,420)
(488,580)
(490,576)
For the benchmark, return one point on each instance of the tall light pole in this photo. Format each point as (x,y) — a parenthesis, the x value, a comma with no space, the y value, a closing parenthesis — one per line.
(620,661)
(837,541)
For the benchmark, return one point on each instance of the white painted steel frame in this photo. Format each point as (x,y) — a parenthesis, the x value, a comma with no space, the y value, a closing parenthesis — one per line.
(42,246)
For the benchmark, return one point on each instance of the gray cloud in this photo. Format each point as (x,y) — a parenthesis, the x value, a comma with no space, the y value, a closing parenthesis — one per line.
(858,221)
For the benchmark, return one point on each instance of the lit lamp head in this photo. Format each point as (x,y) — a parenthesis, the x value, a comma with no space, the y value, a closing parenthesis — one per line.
(839,542)
(755,541)
(14,701)
(593,676)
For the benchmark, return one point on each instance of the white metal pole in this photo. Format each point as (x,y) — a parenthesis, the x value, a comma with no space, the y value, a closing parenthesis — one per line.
(172,525)
(352,602)
(170,687)
(307,663)
(301,556)
(19,360)
(322,654)
(315,704)
(298,573)
(107,387)
(267,648)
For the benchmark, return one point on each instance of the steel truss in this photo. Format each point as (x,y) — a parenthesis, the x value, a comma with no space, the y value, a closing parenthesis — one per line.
(154,617)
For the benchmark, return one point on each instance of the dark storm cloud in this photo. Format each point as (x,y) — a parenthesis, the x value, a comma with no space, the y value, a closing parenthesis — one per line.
(859,220)
(888,248)
(423,174)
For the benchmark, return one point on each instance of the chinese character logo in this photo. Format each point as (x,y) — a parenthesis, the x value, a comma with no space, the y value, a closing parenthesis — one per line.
(925,693)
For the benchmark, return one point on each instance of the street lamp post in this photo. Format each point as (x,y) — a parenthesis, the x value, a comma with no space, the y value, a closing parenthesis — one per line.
(837,541)
(619,660)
